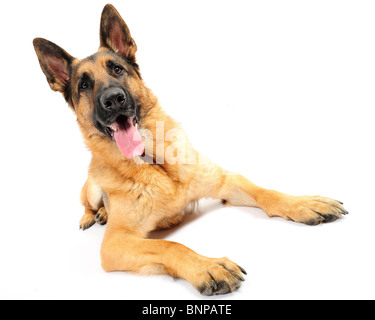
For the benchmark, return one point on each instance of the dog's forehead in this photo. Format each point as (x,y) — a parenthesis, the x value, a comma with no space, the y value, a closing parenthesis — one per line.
(95,63)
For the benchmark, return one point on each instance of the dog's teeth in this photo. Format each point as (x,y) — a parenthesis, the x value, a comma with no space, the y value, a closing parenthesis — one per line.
(136,126)
(113,127)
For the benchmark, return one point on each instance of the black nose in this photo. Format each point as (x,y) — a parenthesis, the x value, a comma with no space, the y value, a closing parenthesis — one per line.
(113,99)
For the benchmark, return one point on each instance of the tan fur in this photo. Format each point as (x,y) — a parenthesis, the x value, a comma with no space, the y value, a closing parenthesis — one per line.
(136,199)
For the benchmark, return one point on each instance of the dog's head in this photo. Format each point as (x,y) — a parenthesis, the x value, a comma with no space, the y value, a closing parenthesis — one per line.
(105,89)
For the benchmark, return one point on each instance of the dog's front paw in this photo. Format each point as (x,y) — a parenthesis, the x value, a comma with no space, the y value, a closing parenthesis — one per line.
(101,216)
(87,220)
(218,276)
(311,210)
(90,218)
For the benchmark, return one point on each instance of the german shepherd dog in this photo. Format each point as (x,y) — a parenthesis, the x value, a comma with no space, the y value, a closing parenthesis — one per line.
(136,183)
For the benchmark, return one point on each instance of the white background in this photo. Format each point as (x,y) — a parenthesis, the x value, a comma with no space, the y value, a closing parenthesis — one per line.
(282,92)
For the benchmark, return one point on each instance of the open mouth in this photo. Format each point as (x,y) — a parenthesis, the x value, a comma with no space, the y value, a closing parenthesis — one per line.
(122,122)
(125,132)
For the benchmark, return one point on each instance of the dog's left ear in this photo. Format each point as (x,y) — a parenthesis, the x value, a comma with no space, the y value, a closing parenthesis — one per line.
(115,34)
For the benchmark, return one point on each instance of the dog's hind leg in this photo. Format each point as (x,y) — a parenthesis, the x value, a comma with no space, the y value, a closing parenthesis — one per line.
(236,190)
(312,210)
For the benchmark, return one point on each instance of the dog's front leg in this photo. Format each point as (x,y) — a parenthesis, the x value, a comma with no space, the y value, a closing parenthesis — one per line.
(92,200)
(125,248)
(312,210)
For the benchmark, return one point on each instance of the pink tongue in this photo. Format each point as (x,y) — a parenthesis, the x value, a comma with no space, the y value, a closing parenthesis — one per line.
(129,141)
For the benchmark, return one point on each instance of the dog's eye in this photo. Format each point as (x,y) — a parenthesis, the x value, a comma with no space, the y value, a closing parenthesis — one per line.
(84,85)
(118,69)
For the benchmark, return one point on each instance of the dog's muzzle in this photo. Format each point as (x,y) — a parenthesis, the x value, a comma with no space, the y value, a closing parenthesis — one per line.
(115,115)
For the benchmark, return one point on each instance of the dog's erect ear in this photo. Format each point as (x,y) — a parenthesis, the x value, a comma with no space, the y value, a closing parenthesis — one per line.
(55,63)
(115,34)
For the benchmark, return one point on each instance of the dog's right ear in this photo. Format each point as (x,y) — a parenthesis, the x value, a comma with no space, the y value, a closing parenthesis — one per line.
(55,63)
